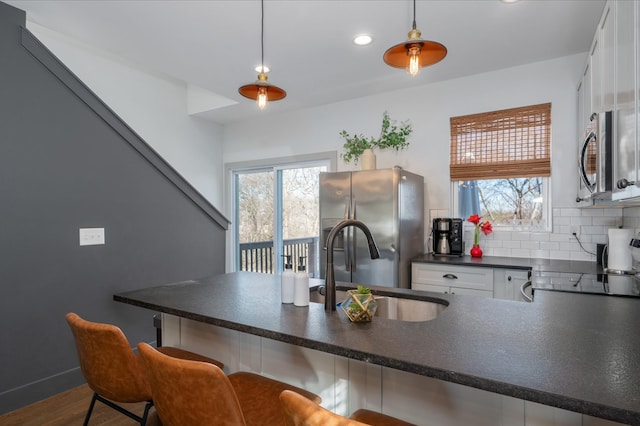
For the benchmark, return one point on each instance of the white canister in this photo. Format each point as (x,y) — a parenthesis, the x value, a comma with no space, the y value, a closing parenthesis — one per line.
(619,252)
(301,288)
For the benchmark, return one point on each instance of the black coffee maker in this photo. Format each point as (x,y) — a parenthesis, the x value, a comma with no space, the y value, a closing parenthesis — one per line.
(447,237)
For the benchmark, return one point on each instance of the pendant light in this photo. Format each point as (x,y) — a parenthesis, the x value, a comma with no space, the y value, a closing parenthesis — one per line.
(262,91)
(414,53)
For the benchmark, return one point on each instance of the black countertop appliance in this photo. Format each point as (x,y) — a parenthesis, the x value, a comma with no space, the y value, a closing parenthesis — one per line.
(447,237)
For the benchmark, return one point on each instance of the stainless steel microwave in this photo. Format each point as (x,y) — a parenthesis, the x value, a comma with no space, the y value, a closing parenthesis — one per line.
(595,155)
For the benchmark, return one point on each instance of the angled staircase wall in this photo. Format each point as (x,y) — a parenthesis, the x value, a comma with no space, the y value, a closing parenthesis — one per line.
(67,161)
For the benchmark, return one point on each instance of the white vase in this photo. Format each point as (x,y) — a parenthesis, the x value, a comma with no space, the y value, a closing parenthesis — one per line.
(368,160)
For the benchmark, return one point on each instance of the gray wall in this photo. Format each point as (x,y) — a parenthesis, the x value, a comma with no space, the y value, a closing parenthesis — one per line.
(65,165)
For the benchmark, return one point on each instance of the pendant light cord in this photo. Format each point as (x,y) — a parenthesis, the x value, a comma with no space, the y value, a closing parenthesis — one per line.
(262,34)
(414,14)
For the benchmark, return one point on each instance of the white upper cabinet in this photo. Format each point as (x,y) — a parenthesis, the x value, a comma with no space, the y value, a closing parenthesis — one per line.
(607,58)
(610,82)
(627,72)
(595,60)
(587,108)
(601,65)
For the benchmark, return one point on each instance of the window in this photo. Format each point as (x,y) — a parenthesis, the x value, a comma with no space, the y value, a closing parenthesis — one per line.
(500,164)
(275,214)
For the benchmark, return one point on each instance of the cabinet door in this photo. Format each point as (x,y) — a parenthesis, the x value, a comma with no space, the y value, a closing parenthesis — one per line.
(580,110)
(596,75)
(587,108)
(507,283)
(607,55)
(625,150)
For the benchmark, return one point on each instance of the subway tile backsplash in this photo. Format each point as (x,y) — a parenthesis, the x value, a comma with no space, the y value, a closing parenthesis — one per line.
(591,224)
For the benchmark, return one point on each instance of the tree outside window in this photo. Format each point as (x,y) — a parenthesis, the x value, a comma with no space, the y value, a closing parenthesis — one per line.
(501,161)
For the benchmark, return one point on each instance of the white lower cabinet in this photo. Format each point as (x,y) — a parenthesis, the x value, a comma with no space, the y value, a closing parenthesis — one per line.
(498,283)
(468,280)
(346,385)
(507,283)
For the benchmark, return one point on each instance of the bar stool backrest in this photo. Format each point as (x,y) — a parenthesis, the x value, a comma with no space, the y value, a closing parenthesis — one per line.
(302,412)
(107,361)
(190,393)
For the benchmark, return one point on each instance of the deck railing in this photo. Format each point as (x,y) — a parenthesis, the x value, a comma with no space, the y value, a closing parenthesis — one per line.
(259,256)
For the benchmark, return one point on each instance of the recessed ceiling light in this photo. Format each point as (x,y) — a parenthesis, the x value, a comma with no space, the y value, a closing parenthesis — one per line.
(261,68)
(509,1)
(362,39)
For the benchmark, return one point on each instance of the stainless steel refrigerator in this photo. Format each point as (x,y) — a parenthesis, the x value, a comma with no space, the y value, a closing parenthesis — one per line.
(391,203)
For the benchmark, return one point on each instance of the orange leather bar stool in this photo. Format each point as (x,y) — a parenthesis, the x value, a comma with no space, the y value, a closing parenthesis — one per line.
(111,368)
(302,412)
(188,393)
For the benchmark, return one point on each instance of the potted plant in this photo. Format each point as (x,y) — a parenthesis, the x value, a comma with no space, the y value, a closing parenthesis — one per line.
(360,306)
(480,225)
(392,136)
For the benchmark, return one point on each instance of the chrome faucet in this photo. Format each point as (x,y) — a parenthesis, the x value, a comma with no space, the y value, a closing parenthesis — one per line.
(330,279)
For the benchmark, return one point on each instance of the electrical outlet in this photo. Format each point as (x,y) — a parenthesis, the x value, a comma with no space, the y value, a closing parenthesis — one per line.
(91,236)
(575,229)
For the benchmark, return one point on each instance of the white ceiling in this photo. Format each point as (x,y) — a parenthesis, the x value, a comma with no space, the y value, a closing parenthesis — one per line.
(215,44)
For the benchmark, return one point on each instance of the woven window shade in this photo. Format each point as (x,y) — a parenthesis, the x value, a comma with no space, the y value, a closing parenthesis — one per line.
(502,144)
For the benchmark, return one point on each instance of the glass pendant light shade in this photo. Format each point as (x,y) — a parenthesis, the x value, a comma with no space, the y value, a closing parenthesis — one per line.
(414,53)
(262,91)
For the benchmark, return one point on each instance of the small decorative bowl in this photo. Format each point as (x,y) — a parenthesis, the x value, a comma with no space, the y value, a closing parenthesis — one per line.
(359,307)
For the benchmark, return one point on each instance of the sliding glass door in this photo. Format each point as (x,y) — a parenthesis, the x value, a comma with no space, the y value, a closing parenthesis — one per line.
(276,212)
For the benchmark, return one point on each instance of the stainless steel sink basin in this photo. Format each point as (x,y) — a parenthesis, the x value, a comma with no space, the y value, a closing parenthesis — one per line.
(400,309)
(394,308)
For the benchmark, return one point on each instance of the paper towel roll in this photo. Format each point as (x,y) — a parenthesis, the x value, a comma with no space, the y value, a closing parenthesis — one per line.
(619,252)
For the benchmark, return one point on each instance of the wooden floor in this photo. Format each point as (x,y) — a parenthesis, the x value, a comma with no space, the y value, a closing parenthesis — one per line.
(69,409)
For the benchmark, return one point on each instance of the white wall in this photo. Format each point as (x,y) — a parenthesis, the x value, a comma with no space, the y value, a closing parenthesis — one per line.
(429,108)
(154,106)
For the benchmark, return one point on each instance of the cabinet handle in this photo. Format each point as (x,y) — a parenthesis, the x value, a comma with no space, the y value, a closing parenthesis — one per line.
(509,278)
(450,276)
(623,183)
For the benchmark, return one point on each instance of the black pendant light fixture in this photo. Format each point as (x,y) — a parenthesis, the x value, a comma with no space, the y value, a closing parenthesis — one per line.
(262,91)
(414,53)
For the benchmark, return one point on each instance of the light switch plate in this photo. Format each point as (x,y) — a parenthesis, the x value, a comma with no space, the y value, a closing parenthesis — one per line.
(91,236)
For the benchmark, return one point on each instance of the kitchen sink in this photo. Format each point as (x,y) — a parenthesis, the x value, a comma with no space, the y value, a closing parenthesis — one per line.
(394,308)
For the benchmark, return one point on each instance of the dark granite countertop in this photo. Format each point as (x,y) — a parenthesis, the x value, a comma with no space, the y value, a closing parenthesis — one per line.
(574,351)
(547,265)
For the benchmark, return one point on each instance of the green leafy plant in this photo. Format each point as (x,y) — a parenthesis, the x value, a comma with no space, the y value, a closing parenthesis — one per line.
(355,308)
(363,290)
(392,136)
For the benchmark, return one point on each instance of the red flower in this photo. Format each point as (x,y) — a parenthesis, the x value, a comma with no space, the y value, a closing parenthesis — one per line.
(486,227)
(475,219)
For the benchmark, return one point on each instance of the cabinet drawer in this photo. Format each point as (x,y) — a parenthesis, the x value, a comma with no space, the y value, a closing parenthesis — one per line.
(472,277)
(471,292)
(452,290)
(430,287)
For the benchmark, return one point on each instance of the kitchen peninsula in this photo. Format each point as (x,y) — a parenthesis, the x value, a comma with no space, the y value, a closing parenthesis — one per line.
(577,352)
